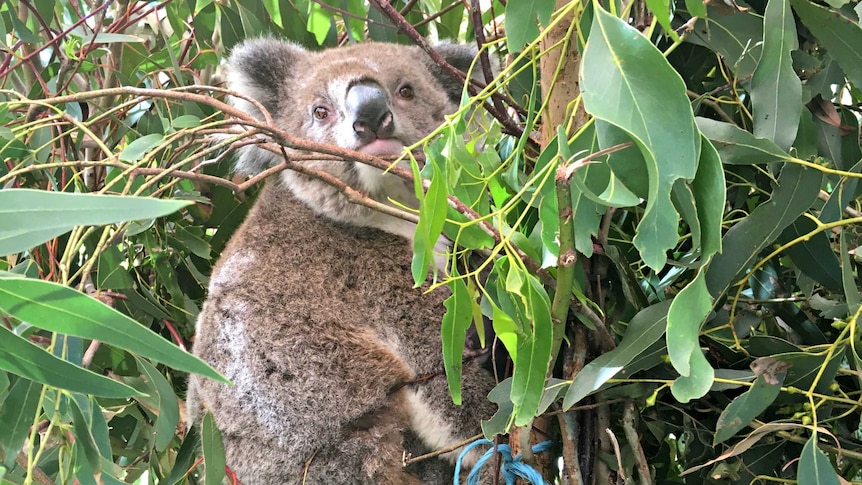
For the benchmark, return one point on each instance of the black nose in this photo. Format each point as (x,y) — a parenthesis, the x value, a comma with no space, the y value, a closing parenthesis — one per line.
(368,106)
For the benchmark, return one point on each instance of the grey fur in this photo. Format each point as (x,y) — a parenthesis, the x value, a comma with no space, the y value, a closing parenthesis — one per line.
(311,311)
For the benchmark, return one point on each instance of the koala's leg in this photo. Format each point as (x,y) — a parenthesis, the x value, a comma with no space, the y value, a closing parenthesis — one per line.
(370,453)
(440,423)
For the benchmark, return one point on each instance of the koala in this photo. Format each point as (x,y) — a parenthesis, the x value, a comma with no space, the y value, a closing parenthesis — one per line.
(311,309)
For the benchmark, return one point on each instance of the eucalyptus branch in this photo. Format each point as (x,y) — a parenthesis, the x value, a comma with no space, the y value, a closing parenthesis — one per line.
(566,259)
(572,167)
(635,443)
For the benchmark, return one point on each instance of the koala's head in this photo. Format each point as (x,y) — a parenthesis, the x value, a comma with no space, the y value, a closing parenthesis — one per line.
(374,98)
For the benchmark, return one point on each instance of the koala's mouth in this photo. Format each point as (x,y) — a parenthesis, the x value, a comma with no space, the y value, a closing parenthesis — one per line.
(382,147)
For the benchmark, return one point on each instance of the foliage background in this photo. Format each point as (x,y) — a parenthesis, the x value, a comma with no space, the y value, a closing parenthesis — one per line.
(687,225)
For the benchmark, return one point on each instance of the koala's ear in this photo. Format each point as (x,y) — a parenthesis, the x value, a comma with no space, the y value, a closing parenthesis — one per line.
(459,56)
(262,69)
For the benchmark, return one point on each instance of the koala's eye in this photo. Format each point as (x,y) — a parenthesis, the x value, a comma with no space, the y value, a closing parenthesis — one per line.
(320,113)
(406,92)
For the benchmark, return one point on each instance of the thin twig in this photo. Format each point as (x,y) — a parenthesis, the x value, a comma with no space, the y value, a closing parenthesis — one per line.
(634,442)
(38,475)
(442,451)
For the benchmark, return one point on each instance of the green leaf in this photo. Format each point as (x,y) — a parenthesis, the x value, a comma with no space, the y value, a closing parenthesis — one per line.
(213,450)
(645,328)
(136,150)
(709,196)
(30,217)
(776,91)
(456,321)
(746,407)
(534,353)
(687,311)
(110,274)
(797,189)
(16,416)
(841,195)
(81,408)
(697,8)
(813,256)
(627,82)
(697,383)
(841,36)
(738,147)
(168,409)
(499,422)
(319,22)
(61,309)
(848,278)
(506,330)
(661,9)
(521,16)
(814,466)
(432,216)
(186,121)
(24,359)
(107,38)
(185,459)
(737,38)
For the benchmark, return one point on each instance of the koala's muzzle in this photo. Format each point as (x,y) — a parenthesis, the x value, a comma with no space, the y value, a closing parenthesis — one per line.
(368,106)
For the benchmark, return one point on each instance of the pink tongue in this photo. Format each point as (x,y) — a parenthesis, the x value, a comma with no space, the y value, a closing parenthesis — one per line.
(383,146)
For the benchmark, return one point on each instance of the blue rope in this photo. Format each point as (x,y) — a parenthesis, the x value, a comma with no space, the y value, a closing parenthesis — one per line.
(511,468)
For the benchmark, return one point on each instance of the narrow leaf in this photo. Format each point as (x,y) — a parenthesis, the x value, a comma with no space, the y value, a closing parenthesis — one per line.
(213,450)
(644,329)
(168,409)
(746,407)
(136,150)
(432,216)
(841,36)
(61,309)
(16,416)
(738,147)
(776,91)
(456,321)
(81,413)
(796,191)
(534,354)
(687,311)
(709,195)
(30,217)
(22,358)
(814,466)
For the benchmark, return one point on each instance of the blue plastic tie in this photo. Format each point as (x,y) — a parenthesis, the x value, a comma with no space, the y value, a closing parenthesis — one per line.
(511,469)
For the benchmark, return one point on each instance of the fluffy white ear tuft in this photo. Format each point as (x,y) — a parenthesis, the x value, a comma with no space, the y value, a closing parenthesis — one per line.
(262,69)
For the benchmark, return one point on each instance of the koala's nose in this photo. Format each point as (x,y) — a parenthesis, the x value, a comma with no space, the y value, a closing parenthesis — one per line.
(368,105)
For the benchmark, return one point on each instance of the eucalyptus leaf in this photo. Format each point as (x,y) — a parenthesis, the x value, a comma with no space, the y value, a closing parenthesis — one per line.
(814,465)
(456,321)
(61,309)
(776,91)
(25,359)
(624,77)
(796,191)
(30,217)
(746,407)
(839,34)
(213,451)
(644,329)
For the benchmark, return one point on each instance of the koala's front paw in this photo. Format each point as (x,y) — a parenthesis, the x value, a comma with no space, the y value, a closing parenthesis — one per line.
(441,254)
